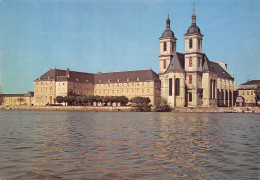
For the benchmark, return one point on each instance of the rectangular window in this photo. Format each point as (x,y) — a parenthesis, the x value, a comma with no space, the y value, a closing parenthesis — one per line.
(252,92)
(170,87)
(164,64)
(164,46)
(199,62)
(243,93)
(247,92)
(190,97)
(148,91)
(190,62)
(143,83)
(142,90)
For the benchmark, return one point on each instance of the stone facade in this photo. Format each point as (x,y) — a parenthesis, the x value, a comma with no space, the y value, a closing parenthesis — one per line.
(190,79)
(58,82)
(18,99)
(246,93)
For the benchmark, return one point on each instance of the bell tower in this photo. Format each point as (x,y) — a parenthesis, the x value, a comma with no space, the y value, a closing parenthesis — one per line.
(193,47)
(167,47)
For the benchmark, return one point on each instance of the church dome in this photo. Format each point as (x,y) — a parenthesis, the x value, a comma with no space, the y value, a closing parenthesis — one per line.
(168,33)
(193,29)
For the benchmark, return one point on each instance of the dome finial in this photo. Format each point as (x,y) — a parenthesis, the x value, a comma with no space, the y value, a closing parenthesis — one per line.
(193,8)
(168,22)
(194,15)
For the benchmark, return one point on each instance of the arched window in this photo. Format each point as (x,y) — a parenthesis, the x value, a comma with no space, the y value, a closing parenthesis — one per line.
(172,46)
(190,79)
(190,61)
(190,43)
(170,87)
(164,64)
(190,97)
(211,85)
(198,43)
(164,46)
(214,88)
(177,87)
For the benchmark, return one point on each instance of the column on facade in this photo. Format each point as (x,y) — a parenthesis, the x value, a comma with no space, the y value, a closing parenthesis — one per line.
(182,90)
(173,91)
(224,97)
(228,97)
(195,97)
(216,90)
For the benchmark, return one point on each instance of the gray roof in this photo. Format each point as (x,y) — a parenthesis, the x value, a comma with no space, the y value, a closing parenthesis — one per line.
(29,94)
(13,95)
(142,75)
(252,82)
(168,34)
(176,64)
(60,75)
(209,66)
(193,29)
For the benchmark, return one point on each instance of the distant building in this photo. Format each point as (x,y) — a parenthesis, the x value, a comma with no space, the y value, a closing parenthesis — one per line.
(58,82)
(246,93)
(189,79)
(18,99)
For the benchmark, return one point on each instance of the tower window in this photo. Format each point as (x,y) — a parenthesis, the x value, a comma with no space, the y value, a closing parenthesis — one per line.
(190,43)
(177,87)
(199,63)
(172,46)
(190,62)
(170,87)
(198,44)
(190,79)
(164,64)
(164,46)
(190,97)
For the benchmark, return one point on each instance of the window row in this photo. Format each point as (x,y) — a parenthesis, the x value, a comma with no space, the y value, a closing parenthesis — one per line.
(123,84)
(177,87)
(127,91)
(191,43)
(165,46)
(247,93)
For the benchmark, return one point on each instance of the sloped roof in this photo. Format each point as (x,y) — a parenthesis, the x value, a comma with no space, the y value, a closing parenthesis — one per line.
(176,64)
(60,75)
(253,82)
(29,94)
(209,66)
(142,75)
(13,95)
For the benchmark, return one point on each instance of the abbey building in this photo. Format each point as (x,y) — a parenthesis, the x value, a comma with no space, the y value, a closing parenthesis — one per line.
(190,79)
(186,79)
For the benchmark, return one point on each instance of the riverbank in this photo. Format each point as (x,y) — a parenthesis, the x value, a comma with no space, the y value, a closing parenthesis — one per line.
(128,108)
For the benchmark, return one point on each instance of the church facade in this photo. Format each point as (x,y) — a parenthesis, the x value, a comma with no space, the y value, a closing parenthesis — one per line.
(190,79)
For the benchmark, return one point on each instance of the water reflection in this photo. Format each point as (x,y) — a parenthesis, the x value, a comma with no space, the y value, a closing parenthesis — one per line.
(72,145)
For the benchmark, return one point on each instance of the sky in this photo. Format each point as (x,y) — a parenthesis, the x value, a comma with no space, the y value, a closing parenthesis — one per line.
(120,35)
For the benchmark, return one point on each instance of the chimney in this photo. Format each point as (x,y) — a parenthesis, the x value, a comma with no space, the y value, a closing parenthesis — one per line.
(68,73)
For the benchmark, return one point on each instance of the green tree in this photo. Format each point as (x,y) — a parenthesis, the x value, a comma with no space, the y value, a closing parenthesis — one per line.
(59,99)
(140,104)
(123,100)
(162,106)
(84,100)
(257,94)
(91,99)
(78,100)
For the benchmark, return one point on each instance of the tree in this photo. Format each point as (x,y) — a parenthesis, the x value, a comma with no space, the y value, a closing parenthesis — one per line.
(59,99)
(84,100)
(123,100)
(257,94)
(78,100)
(141,104)
(162,106)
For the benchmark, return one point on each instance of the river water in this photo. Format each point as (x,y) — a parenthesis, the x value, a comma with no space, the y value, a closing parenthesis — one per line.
(128,145)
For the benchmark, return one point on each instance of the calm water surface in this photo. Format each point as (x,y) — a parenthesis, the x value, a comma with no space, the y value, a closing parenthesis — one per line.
(128,145)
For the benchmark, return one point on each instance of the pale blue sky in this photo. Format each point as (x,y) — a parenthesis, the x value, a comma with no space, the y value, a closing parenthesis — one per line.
(110,35)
